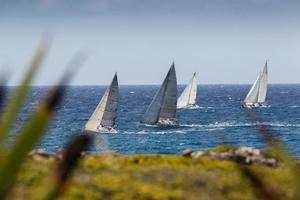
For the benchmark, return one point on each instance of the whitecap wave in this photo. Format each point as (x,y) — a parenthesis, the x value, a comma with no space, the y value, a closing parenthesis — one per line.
(196,108)
(239,124)
(160,132)
(189,128)
(148,125)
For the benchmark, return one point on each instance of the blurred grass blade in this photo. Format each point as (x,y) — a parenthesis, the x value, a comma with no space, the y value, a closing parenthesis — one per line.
(71,156)
(260,188)
(2,92)
(27,139)
(32,133)
(277,148)
(73,66)
(19,97)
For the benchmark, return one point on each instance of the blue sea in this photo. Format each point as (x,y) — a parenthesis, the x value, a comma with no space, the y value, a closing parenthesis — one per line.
(219,121)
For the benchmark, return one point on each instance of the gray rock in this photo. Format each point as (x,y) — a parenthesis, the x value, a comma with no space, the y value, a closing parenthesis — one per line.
(197,154)
(40,153)
(242,155)
(187,152)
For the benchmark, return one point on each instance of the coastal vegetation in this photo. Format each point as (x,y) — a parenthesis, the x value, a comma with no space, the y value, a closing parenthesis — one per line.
(111,176)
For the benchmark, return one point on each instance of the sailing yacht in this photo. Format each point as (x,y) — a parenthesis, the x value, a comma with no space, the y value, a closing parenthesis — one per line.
(104,116)
(162,110)
(188,97)
(257,95)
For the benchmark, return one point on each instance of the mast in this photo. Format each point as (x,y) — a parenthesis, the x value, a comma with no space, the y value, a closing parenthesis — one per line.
(263,86)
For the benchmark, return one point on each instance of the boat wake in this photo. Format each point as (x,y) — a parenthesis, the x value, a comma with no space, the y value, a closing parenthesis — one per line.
(294,106)
(195,107)
(195,128)
(148,125)
(233,124)
(160,132)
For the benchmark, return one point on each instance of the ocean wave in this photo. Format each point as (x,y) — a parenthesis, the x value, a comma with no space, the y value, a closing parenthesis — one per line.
(218,126)
(214,129)
(148,125)
(197,107)
(238,124)
(159,132)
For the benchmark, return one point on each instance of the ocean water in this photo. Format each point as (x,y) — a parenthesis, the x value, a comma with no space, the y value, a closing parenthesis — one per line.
(219,121)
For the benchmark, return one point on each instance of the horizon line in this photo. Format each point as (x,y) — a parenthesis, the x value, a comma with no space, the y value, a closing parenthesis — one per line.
(50,85)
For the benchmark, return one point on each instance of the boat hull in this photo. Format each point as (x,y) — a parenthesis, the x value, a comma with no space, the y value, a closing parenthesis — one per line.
(255,105)
(167,122)
(103,130)
(191,106)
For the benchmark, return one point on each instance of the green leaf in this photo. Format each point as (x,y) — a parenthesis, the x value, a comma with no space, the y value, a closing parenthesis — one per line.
(30,135)
(56,182)
(23,145)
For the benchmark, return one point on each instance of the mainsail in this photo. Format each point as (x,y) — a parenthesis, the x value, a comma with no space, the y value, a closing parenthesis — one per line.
(263,87)
(189,94)
(258,92)
(163,105)
(106,111)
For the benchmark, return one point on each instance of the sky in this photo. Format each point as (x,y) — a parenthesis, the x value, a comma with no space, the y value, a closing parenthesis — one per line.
(224,41)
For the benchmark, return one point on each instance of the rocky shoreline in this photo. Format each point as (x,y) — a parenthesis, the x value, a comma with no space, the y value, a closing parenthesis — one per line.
(240,155)
(219,173)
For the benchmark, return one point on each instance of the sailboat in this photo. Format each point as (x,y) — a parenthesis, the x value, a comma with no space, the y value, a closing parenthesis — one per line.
(162,110)
(187,98)
(104,116)
(257,95)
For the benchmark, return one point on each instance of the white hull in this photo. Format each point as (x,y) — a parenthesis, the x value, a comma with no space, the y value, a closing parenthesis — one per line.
(103,130)
(192,106)
(167,122)
(162,122)
(255,105)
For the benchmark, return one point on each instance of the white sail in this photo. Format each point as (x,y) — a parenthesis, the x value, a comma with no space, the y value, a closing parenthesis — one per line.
(189,94)
(106,111)
(258,92)
(163,105)
(252,96)
(263,87)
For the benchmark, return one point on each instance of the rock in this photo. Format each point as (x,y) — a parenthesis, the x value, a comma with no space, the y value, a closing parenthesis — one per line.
(84,153)
(40,153)
(242,155)
(247,151)
(187,152)
(197,154)
(60,153)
